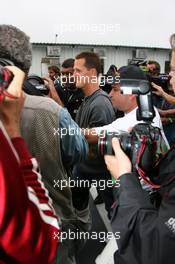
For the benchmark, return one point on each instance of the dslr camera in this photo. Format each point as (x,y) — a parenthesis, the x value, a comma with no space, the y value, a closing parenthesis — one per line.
(140,144)
(6,76)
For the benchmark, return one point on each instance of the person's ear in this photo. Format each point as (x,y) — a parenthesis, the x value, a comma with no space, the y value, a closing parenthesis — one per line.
(93,72)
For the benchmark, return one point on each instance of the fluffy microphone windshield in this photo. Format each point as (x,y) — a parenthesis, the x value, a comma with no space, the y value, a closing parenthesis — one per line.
(15,46)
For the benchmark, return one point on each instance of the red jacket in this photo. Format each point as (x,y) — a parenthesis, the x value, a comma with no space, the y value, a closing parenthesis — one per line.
(28,225)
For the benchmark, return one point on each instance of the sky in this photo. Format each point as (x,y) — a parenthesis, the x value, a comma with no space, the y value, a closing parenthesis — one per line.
(146,23)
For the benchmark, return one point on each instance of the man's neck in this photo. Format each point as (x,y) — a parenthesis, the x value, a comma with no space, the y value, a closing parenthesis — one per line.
(89,89)
(131,109)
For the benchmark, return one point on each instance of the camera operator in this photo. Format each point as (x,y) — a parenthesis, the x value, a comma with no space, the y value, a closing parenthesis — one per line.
(160,92)
(166,108)
(147,229)
(27,219)
(153,67)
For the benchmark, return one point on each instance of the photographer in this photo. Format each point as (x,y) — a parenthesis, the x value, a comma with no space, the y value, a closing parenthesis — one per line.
(27,219)
(147,232)
(128,104)
(45,127)
(147,228)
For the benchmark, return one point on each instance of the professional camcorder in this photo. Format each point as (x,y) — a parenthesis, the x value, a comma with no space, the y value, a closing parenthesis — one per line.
(38,83)
(161,79)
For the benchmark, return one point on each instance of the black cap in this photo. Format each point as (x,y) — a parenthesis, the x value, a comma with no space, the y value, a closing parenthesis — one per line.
(132,72)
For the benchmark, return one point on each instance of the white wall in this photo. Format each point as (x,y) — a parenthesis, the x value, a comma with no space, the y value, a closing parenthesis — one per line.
(118,56)
(38,52)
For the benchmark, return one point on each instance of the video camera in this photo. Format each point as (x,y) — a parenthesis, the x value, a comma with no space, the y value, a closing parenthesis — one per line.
(38,83)
(141,143)
(160,79)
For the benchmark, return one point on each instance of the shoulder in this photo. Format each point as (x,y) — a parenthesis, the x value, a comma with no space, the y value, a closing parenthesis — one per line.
(101,99)
(44,104)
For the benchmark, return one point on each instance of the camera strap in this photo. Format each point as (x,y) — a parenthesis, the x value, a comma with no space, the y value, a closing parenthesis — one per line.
(142,173)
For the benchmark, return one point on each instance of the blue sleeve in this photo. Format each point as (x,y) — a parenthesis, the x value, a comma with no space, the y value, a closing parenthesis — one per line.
(73,143)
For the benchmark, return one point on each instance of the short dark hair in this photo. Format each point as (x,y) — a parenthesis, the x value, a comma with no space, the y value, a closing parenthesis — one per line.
(15,46)
(156,64)
(55,69)
(69,63)
(92,60)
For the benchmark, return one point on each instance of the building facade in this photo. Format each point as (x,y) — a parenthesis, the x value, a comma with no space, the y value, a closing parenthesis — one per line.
(45,54)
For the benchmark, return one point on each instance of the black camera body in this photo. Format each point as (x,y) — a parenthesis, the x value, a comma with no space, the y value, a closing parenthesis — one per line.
(142,134)
(140,144)
(162,80)
(38,83)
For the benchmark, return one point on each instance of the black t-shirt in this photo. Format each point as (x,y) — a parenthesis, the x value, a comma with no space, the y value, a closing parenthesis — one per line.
(95,111)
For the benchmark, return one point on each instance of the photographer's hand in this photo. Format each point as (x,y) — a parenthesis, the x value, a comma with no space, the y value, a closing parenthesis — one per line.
(159,91)
(52,91)
(118,164)
(10,109)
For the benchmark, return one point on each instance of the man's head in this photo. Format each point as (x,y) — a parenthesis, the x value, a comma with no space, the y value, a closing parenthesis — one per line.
(15,46)
(67,70)
(86,69)
(122,102)
(153,67)
(67,67)
(172,71)
(54,72)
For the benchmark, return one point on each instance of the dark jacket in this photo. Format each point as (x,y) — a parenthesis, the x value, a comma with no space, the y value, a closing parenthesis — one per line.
(147,232)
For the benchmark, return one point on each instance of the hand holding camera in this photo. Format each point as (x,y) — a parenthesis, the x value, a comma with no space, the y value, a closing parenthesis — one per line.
(157,89)
(12,101)
(120,163)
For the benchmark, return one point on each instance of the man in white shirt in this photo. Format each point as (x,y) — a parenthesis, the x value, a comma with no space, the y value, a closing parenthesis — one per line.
(127,104)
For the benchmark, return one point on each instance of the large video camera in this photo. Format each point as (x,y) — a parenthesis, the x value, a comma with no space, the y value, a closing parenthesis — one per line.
(141,143)
(161,79)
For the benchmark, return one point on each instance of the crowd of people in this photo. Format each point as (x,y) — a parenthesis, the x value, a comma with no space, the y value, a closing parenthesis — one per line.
(50,136)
